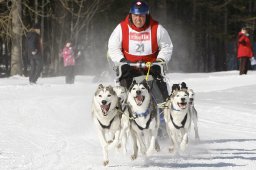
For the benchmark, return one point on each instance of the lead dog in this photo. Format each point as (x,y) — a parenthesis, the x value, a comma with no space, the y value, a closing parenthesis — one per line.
(193,112)
(178,120)
(106,116)
(144,119)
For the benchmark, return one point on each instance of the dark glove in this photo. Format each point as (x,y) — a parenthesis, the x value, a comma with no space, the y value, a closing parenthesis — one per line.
(123,60)
(243,42)
(125,68)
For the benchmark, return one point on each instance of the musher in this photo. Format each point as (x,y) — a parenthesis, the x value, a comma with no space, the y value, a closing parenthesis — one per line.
(139,38)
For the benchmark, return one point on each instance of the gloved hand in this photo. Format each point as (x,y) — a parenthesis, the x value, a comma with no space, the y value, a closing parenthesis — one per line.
(125,69)
(123,60)
(34,52)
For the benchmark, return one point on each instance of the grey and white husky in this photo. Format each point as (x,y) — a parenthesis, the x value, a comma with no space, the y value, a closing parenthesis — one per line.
(106,116)
(125,122)
(144,119)
(178,119)
(193,112)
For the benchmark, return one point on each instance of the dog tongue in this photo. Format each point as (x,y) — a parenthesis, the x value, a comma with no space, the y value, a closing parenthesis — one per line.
(182,105)
(105,108)
(139,99)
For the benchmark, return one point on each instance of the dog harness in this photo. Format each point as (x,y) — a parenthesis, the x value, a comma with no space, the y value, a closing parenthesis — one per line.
(182,122)
(110,123)
(108,126)
(152,107)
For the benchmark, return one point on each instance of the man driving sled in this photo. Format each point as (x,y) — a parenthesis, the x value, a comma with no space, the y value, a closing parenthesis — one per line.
(141,39)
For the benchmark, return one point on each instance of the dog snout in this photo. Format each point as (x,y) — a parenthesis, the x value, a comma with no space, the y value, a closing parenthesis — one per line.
(104,102)
(138,92)
(183,99)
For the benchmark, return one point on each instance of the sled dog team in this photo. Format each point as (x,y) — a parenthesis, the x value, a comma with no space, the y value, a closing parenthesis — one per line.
(119,113)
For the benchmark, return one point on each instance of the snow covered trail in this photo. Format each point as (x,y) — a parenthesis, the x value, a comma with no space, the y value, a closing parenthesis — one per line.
(49,126)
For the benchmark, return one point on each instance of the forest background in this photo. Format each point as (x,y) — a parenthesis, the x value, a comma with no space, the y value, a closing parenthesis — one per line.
(204,32)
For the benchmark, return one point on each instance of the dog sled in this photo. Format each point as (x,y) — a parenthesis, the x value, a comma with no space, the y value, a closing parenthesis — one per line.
(154,89)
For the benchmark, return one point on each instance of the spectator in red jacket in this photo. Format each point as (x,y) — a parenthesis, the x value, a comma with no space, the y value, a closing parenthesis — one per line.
(68,55)
(244,50)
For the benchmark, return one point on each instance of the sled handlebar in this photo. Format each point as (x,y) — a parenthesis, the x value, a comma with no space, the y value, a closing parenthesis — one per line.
(141,65)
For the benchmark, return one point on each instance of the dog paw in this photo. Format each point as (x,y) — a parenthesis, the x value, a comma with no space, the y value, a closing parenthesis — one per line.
(105,163)
(143,152)
(133,157)
(183,146)
(171,150)
(157,147)
(110,141)
(119,146)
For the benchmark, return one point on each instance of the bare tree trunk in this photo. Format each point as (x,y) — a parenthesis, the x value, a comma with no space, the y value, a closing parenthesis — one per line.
(225,40)
(16,38)
(36,11)
(193,35)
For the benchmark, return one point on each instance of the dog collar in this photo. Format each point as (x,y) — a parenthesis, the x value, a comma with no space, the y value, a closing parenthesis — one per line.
(142,114)
(174,108)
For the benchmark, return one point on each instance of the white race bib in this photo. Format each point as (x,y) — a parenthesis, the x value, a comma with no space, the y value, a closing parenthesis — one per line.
(140,43)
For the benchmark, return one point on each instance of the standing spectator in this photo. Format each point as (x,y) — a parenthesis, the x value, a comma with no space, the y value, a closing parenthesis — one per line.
(244,51)
(5,57)
(34,49)
(68,55)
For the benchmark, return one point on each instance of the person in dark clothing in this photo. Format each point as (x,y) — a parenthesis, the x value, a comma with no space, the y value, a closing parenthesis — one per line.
(5,57)
(34,49)
(244,50)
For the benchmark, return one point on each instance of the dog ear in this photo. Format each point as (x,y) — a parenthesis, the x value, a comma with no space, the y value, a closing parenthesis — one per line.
(184,85)
(145,83)
(175,87)
(100,86)
(111,89)
(133,82)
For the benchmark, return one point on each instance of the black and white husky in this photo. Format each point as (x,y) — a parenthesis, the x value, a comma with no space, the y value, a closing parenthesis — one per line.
(106,116)
(144,119)
(193,112)
(178,119)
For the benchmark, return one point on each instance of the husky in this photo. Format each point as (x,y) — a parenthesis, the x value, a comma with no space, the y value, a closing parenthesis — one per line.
(144,118)
(125,122)
(193,112)
(106,116)
(121,93)
(178,120)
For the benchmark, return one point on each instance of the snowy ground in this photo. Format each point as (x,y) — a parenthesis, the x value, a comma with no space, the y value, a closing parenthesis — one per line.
(48,126)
